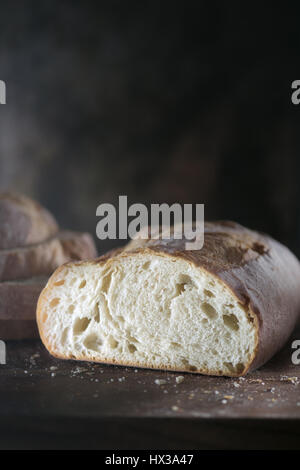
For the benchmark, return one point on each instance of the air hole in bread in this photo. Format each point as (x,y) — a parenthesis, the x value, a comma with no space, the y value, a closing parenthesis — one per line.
(231,321)
(93,342)
(121,319)
(192,368)
(180,288)
(184,282)
(97,313)
(209,293)
(146,265)
(81,325)
(113,343)
(131,348)
(64,335)
(131,338)
(185,279)
(209,310)
(71,308)
(59,283)
(106,282)
(54,302)
(175,345)
(82,284)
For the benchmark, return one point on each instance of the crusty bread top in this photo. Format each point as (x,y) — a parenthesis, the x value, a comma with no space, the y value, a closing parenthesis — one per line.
(23,221)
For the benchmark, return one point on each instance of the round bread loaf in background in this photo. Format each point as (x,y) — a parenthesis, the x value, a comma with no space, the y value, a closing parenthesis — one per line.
(23,221)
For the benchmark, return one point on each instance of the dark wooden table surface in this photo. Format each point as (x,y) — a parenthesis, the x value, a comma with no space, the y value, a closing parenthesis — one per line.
(49,403)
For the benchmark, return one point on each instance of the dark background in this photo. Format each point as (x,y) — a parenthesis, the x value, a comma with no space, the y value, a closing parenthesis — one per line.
(161,101)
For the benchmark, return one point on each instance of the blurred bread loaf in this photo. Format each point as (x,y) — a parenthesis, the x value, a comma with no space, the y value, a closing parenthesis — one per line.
(23,221)
(43,258)
(31,248)
(223,310)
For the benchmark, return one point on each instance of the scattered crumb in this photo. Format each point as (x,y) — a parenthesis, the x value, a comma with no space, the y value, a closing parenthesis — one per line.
(274,400)
(53,374)
(160,381)
(250,398)
(25,371)
(293,380)
(224,402)
(78,370)
(96,395)
(217,392)
(179,379)
(256,381)
(165,391)
(175,408)
(237,385)
(33,358)
(229,397)
(53,368)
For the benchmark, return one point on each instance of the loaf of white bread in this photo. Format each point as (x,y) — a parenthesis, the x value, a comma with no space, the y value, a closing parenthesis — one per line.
(31,247)
(223,310)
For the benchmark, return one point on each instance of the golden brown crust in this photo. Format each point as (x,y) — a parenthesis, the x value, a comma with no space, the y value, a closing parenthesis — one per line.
(261,273)
(23,221)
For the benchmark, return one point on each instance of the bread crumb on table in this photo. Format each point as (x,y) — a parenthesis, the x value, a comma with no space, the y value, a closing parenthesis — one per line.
(293,380)
(160,381)
(179,379)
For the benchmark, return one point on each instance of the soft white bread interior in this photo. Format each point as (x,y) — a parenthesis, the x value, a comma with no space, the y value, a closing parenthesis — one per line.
(148,310)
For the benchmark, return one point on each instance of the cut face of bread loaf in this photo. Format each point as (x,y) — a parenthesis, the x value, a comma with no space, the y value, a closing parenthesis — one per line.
(222,310)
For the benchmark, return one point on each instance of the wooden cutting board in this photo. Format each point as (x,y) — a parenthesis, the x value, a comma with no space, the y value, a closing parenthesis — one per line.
(50,403)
